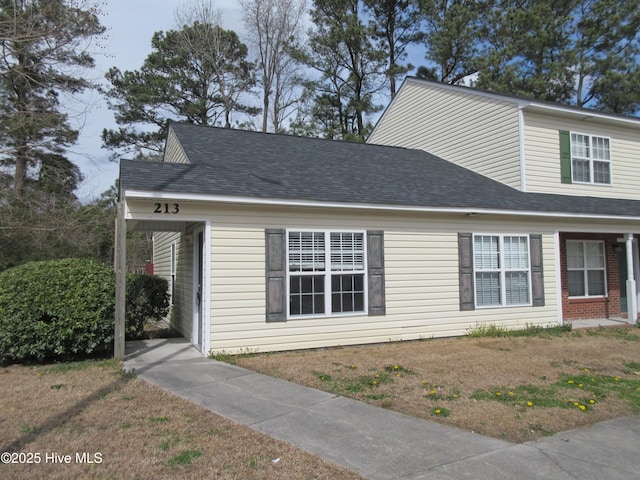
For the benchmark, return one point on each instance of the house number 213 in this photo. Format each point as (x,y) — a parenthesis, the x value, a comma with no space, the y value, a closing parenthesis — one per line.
(166,208)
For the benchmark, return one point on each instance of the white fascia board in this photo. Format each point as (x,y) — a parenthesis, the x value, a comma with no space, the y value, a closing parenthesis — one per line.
(533,105)
(192,197)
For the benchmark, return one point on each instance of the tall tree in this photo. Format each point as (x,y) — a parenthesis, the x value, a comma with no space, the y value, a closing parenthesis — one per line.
(44,50)
(273,27)
(607,47)
(453,38)
(197,74)
(350,67)
(530,50)
(395,25)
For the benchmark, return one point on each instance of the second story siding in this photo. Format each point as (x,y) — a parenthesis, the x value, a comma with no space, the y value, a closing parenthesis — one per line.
(543,156)
(478,132)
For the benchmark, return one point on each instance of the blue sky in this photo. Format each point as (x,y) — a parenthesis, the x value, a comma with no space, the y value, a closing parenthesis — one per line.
(130,25)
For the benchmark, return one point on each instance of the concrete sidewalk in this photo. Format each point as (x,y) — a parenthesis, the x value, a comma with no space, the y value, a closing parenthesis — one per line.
(378,443)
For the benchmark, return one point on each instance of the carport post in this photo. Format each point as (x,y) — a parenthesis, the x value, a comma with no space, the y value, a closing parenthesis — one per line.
(120,265)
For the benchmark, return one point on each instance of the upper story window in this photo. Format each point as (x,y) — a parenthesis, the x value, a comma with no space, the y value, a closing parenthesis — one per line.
(326,273)
(590,159)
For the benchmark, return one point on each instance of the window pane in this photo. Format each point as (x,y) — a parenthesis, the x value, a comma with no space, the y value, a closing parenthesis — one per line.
(581,170)
(516,253)
(306,295)
(487,289)
(486,253)
(596,282)
(601,172)
(600,148)
(575,255)
(347,294)
(595,254)
(579,145)
(517,288)
(306,252)
(576,284)
(347,251)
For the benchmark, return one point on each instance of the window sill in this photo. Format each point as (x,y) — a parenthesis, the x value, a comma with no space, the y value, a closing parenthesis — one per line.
(324,316)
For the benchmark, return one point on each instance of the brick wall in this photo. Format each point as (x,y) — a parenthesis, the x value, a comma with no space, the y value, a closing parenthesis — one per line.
(597,307)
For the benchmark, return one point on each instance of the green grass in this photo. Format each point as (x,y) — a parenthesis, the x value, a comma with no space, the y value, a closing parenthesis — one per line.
(184,458)
(351,385)
(497,331)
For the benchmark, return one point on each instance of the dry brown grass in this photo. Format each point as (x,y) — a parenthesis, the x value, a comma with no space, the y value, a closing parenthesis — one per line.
(447,375)
(139,430)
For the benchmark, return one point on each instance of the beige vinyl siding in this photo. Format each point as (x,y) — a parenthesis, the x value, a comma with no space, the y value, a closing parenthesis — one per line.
(173,150)
(480,133)
(421,278)
(542,153)
(180,316)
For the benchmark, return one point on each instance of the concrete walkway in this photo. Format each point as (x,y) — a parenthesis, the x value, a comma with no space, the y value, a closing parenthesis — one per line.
(378,443)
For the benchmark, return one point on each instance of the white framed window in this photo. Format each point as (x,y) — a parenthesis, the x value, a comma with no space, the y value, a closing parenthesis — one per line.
(502,272)
(590,159)
(172,287)
(326,273)
(586,266)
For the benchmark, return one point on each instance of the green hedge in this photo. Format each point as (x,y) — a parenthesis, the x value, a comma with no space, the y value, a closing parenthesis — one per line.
(65,308)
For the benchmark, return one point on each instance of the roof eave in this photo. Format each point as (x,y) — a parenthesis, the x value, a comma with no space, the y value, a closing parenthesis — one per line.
(282,202)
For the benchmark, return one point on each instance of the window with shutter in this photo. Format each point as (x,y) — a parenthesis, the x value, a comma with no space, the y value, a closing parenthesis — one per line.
(324,273)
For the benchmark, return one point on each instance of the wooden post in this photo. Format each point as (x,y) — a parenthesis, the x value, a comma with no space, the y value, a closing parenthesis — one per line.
(120,264)
(632,303)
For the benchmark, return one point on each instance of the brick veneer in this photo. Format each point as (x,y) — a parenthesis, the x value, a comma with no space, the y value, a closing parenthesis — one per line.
(597,307)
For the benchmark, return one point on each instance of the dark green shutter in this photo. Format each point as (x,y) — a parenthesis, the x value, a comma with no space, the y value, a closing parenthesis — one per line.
(375,266)
(537,276)
(465,267)
(276,275)
(565,157)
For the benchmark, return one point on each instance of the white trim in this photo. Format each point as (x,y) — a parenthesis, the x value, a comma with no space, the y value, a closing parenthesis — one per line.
(197,316)
(523,161)
(591,160)
(146,195)
(206,287)
(585,268)
(502,270)
(328,273)
(582,113)
(558,270)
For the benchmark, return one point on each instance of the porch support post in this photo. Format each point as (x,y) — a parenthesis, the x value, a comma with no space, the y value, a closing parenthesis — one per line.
(632,301)
(120,264)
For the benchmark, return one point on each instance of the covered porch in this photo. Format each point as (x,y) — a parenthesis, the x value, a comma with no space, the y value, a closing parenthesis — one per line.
(599,277)
(186,269)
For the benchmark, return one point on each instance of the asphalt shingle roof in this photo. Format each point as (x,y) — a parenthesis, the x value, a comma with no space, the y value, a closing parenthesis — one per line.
(280,167)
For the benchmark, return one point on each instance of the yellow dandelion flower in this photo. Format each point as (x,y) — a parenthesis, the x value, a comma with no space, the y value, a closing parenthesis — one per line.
(377,375)
(586,369)
(582,407)
(498,394)
(576,404)
(581,385)
(395,367)
(529,404)
(375,383)
(617,379)
(437,411)
(511,394)
(592,401)
(455,395)
(570,382)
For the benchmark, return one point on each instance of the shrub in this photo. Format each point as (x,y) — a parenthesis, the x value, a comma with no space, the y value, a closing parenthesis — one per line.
(147,301)
(65,308)
(57,308)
